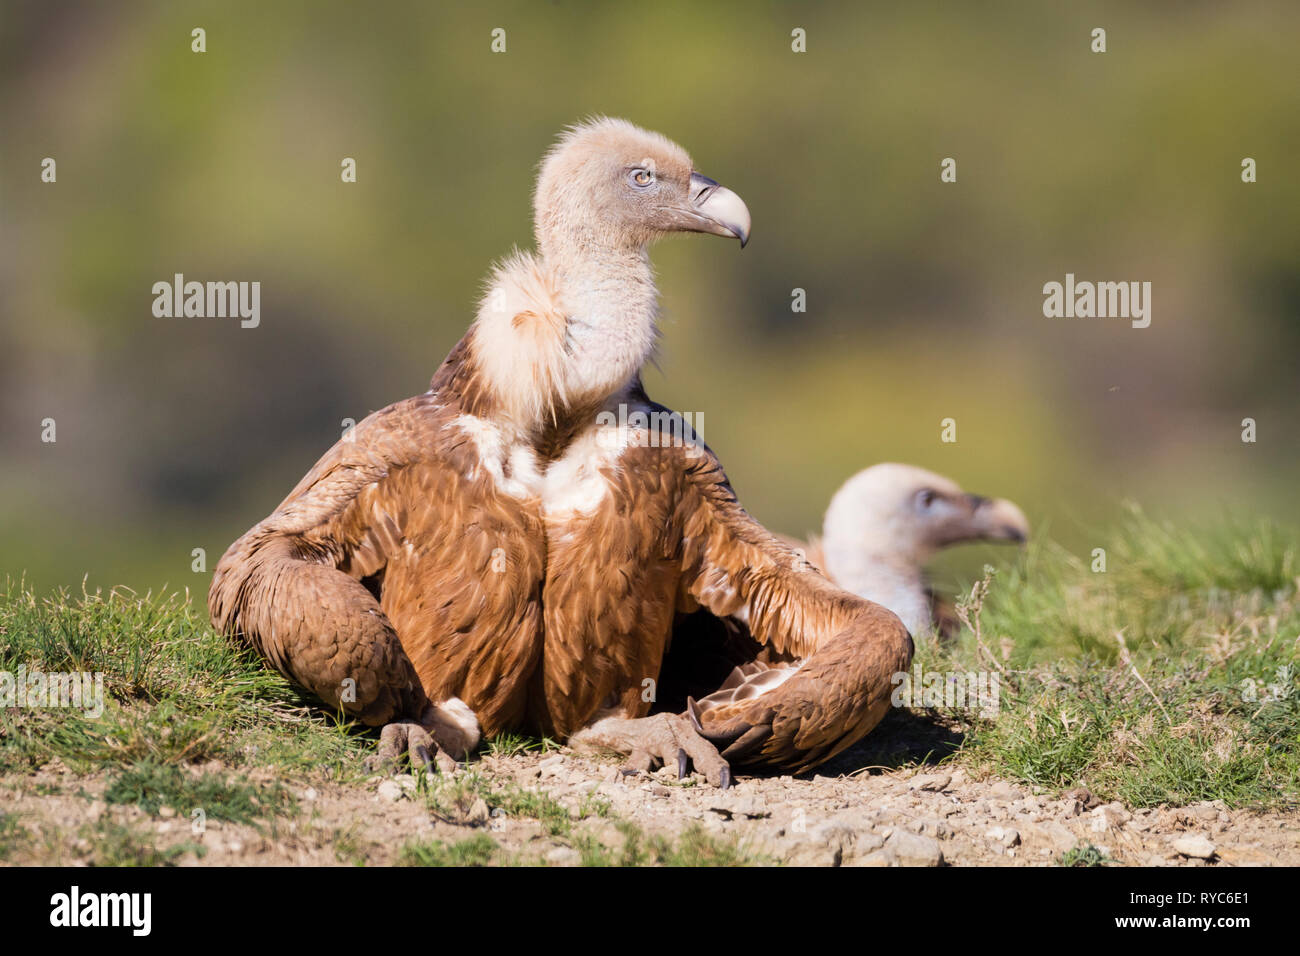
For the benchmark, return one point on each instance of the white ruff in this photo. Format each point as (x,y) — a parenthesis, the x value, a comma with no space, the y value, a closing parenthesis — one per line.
(573,484)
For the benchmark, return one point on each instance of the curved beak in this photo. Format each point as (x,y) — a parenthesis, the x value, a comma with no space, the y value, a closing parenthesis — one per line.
(717,210)
(997,519)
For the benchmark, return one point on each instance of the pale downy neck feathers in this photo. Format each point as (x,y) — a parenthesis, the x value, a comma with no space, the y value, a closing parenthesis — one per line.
(552,337)
(881,573)
(565,328)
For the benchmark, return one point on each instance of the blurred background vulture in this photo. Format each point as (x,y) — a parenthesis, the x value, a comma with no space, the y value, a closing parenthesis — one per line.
(513,548)
(888,521)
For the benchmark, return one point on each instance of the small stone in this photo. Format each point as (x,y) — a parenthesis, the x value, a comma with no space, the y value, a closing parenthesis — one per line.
(1002,790)
(1004,836)
(934,782)
(478,813)
(866,842)
(931,828)
(834,833)
(549,767)
(1085,798)
(1108,816)
(166,812)
(310,794)
(390,790)
(405,781)
(1195,846)
(914,850)
(1057,836)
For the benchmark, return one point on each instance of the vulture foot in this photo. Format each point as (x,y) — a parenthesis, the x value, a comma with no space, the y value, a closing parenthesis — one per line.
(445,734)
(651,742)
(406,738)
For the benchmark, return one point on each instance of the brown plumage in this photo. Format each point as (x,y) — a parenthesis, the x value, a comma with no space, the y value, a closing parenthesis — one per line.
(882,526)
(500,553)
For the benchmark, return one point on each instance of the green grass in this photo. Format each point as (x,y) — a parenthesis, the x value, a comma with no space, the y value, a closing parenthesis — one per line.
(477,850)
(12,834)
(117,844)
(152,786)
(1173,677)
(513,745)
(175,691)
(453,797)
(1084,855)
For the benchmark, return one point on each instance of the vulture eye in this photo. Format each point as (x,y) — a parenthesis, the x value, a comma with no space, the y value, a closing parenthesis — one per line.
(925,498)
(642,177)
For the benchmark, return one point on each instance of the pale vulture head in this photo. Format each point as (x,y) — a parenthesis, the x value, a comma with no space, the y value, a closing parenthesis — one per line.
(910,513)
(608,184)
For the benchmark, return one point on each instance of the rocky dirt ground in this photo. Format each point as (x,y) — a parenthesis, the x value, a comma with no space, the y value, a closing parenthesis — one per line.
(934,817)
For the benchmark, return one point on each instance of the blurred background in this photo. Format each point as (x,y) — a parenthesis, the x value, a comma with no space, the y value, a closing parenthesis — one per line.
(924,299)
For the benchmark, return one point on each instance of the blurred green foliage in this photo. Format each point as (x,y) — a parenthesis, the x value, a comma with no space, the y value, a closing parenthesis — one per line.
(924,298)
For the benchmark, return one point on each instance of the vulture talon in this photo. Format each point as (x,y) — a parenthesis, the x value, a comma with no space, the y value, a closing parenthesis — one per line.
(664,734)
(726,779)
(410,741)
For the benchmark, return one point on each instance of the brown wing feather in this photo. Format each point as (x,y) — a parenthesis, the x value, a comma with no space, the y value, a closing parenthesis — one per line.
(849,648)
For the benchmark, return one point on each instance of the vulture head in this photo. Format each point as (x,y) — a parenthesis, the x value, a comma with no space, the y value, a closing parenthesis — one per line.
(911,514)
(886,522)
(608,184)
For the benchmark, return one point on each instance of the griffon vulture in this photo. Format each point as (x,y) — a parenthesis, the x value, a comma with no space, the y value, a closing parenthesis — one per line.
(887,521)
(507,551)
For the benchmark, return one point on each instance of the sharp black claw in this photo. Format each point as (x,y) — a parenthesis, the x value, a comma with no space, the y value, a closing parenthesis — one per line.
(426,759)
(682,761)
(726,779)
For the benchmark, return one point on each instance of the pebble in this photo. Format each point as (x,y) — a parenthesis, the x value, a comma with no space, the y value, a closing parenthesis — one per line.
(935,782)
(478,813)
(914,850)
(1195,846)
(1108,816)
(1004,836)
